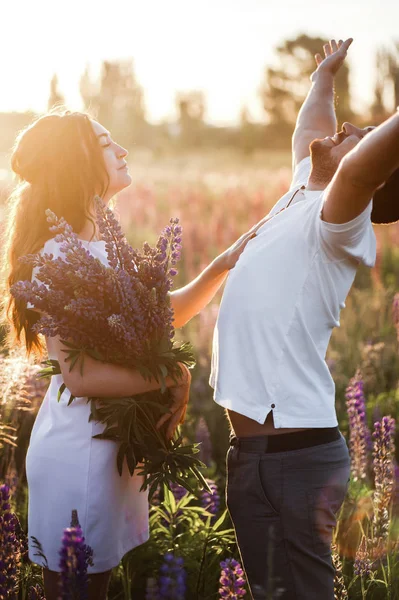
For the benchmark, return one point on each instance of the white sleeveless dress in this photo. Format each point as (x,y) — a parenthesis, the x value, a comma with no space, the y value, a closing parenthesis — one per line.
(67,469)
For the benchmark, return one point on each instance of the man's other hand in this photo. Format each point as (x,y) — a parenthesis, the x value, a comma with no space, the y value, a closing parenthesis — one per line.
(334,56)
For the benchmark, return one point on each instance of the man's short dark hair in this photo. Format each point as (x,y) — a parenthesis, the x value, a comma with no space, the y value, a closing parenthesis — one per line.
(386,202)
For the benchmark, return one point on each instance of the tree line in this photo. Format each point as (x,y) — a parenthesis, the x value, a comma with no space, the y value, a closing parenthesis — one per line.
(117,100)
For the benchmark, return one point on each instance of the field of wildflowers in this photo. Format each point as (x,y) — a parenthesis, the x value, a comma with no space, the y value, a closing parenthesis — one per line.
(192,554)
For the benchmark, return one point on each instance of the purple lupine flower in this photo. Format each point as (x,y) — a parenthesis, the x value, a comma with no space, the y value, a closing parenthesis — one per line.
(232,580)
(359,434)
(211,501)
(10,547)
(384,472)
(75,557)
(396,487)
(363,565)
(172,578)
(202,436)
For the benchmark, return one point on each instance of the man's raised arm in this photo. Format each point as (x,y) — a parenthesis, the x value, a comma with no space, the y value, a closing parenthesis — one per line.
(361,172)
(317,119)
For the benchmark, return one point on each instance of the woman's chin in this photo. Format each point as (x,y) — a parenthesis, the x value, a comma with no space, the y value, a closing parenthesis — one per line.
(123,183)
(127,180)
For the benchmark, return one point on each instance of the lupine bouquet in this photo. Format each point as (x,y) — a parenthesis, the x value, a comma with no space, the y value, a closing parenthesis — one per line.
(119,314)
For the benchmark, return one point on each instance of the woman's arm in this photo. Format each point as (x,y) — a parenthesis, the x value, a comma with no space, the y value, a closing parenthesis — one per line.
(189,300)
(104,380)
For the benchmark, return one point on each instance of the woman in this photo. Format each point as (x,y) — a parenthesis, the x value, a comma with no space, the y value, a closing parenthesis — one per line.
(63,161)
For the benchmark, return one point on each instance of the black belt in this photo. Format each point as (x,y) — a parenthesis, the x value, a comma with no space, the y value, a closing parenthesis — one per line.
(286,441)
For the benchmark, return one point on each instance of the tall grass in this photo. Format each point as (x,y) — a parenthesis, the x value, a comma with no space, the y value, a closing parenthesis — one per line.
(215,204)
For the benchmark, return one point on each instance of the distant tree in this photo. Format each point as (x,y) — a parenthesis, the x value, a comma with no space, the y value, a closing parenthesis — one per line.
(393,72)
(247,130)
(386,89)
(55,97)
(285,86)
(90,92)
(191,108)
(116,100)
(378,108)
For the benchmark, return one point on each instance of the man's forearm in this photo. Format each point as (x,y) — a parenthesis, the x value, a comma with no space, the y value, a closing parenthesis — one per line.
(376,157)
(318,111)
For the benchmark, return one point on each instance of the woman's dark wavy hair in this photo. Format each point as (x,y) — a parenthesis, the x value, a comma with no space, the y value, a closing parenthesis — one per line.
(60,165)
(386,202)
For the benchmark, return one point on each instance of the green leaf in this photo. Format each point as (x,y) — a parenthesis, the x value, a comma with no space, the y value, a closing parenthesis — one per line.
(71,399)
(73,362)
(95,354)
(152,490)
(220,520)
(61,391)
(131,460)
(120,457)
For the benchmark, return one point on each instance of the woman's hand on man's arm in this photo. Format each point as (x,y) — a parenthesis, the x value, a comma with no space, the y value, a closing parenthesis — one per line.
(189,300)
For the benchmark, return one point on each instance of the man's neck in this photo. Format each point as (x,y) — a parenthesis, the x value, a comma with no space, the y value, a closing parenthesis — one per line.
(315,186)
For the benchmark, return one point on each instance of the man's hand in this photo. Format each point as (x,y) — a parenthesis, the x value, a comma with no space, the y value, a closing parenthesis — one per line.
(180,395)
(334,56)
(317,119)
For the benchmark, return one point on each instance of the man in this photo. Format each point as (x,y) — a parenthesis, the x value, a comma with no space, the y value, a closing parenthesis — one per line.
(288,464)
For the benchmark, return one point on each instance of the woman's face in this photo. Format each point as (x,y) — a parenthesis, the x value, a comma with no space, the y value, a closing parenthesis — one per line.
(114,159)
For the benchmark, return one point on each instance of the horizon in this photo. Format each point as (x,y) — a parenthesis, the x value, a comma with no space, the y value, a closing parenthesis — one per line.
(221,50)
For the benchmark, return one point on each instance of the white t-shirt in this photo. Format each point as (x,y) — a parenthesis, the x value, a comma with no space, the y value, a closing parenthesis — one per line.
(280,304)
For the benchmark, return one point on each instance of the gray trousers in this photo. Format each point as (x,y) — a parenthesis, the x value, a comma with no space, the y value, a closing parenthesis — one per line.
(283,506)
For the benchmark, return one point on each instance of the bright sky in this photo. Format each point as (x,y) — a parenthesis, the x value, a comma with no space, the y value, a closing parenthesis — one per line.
(219,46)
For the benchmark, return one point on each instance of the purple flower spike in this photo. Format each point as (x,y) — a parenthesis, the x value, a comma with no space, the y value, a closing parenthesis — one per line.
(232,580)
(211,502)
(363,565)
(384,475)
(75,557)
(172,578)
(10,547)
(359,434)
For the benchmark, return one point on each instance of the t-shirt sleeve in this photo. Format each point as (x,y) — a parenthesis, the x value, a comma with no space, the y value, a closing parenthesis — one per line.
(301,173)
(354,239)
